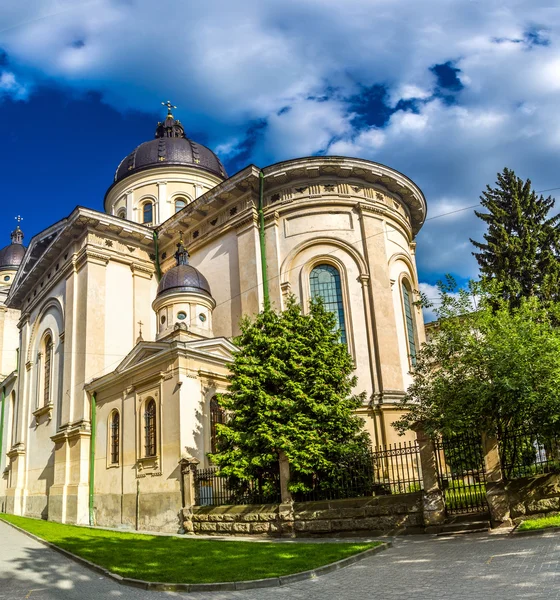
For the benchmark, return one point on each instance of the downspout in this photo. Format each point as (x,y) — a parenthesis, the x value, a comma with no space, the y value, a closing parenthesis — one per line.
(156,247)
(92,455)
(264,270)
(2,422)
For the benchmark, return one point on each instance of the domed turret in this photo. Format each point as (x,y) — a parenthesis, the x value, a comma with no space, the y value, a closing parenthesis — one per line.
(11,257)
(162,176)
(170,147)
(183,299)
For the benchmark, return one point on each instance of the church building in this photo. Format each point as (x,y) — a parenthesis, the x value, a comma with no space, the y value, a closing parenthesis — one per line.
(116,326)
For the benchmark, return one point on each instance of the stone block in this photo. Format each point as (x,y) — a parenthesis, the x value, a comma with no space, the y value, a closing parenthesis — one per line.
(249,518)
(317,526)
(543,505)
(267,517)
(241,527)
(200,517)
(259,527)
(208,527)
(224,527)
(342,524)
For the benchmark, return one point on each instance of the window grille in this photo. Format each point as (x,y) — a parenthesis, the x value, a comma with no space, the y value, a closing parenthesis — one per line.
(150,428)
(47,370)
(115,431)
(409,320)
(325,283)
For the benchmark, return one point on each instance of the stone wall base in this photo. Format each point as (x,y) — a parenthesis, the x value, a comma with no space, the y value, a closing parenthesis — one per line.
(534,497)
(383,514)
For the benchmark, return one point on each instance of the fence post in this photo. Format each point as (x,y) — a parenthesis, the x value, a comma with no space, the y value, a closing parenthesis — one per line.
(286,508)
(496,495)
(188,472)
(432,498)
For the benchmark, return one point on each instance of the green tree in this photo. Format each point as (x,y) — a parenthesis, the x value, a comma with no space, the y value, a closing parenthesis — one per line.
(290,391)
(494,369)
(520,252)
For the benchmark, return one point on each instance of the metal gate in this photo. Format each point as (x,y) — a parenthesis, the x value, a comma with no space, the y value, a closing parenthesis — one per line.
(462,478)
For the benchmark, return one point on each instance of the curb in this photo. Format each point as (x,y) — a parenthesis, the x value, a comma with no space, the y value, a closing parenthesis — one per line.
(530,532)
(230,586)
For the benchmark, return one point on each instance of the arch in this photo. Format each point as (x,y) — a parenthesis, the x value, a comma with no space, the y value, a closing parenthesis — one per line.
(179,202)
(58,314)
(400,256)
(114,429)
(325,282)
(121,213)
(287,264)
(409,320)
(150,428)
(147,212)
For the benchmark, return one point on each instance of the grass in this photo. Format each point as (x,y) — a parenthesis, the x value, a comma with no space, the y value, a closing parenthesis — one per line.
(187,560)
(461,496)
(544,523)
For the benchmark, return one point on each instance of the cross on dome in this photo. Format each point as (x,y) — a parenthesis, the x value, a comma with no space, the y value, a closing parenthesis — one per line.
(169,107)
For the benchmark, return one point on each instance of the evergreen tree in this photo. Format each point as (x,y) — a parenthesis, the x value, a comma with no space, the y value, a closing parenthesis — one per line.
(520,253)
(290,391)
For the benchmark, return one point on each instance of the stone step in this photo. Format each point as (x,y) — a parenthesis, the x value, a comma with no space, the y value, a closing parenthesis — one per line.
(460,527)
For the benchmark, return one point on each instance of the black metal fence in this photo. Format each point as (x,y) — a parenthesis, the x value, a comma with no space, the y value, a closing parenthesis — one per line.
(461,473)
(392,469)
(523,454)
(212,489)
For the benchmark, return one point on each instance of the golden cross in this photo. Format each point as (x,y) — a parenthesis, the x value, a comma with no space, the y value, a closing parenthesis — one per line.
(169,107)
(19,219)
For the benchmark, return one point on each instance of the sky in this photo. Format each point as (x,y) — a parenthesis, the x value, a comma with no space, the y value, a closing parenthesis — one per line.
(449,92)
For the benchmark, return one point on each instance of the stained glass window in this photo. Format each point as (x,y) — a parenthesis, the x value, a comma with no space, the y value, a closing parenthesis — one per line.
(325,282)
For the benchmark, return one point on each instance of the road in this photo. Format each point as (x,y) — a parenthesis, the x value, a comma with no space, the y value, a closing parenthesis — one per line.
(419,567)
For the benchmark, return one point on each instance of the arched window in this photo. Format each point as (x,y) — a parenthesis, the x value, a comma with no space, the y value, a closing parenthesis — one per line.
(147,212)
(150,428)
(115,435)
(48,348)
(180,203)
(217,415)
(325,282)
(13,417)
(121,213)
(409,321)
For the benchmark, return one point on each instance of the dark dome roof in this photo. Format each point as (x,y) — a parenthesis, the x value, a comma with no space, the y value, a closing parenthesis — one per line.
(183,278)
(12,255)
(170,147)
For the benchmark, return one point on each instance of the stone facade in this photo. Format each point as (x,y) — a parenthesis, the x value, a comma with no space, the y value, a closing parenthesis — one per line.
(534,497)
(383,514)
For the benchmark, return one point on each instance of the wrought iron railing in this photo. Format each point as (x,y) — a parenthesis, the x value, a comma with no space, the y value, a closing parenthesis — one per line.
(523,454)
(212,489)
(392,469)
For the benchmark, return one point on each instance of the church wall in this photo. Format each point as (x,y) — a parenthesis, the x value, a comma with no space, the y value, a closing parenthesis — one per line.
(218,261)
(9,340)
(9,409)
(120,314)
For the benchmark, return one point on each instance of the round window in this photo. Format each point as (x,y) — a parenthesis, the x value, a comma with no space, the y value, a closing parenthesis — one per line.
(6,278)
(202,317)
(162,320)
(181,316)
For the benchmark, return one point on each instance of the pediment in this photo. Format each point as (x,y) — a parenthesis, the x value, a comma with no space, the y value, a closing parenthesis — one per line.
(217,347)
(141,352)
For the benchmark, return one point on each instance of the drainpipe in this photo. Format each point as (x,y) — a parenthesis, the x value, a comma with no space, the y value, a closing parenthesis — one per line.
(2,422)
(262,242)
(156,246)
(92,456)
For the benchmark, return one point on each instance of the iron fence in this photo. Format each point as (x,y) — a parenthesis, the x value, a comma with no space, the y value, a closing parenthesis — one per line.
(212,489)
(523,454)
(392,469)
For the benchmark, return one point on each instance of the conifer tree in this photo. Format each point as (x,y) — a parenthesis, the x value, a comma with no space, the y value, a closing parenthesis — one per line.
(520,252)
(290,391)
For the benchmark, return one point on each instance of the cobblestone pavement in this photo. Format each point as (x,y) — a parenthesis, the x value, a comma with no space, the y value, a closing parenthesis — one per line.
(419,567)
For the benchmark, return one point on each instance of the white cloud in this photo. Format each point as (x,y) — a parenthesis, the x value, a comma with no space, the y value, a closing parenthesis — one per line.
(297,64)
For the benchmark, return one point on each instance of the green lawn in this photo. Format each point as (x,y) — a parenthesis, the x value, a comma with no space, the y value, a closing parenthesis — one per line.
(186,560)
(543,523)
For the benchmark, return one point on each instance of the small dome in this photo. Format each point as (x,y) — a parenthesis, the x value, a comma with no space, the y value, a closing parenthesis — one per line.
(12,255)
(183,278)
(170,147)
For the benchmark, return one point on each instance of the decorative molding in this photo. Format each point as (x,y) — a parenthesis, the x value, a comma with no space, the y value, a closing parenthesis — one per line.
(47,409)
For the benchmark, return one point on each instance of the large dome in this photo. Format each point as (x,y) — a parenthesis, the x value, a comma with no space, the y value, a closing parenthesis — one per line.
(170,147)
(12,255)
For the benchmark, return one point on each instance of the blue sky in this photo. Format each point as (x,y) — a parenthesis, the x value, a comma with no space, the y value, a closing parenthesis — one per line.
(447,91)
